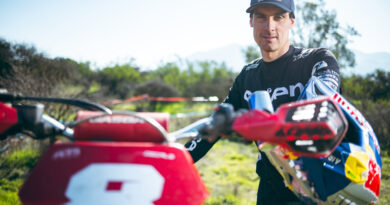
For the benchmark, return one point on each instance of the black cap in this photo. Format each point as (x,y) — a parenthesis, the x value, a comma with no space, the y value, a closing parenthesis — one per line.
(287,5)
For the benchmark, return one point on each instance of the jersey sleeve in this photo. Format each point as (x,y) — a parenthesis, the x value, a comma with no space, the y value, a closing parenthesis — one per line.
(326,68)
(199,147)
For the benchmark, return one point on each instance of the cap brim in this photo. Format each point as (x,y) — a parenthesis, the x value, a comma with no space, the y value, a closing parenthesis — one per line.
(250,9)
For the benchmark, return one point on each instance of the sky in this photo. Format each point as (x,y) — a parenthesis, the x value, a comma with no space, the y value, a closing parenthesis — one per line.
(106,32)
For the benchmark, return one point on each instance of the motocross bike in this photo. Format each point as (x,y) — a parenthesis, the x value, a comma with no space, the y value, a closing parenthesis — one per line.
(129,158)
(323,155)
(349,174)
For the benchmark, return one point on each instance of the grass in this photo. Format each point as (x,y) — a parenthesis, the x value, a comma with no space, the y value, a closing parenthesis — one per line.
(229,173)
(9,191)
(385,181)
(174,108)
(14,169)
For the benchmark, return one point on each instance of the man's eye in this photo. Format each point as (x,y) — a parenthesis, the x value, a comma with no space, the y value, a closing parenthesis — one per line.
(259,16)
(279,17)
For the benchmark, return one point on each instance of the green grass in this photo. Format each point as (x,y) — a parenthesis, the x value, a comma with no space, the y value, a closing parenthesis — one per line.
(9,191)
(18,164)
(124,106)
(228,171)
(385,181)
(14,169)
(174,108)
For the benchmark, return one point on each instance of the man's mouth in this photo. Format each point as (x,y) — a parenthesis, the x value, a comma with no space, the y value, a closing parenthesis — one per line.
(269,38)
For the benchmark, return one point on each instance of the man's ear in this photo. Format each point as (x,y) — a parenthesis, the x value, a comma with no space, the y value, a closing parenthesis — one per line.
(292,22)
(251,22)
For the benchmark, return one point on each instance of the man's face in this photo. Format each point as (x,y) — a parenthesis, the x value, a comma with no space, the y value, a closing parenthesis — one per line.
(271,26)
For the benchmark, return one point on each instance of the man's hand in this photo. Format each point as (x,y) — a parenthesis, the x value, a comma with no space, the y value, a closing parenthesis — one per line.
(221,123)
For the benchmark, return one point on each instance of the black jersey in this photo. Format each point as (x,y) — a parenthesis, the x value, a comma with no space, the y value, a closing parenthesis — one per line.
(284,79)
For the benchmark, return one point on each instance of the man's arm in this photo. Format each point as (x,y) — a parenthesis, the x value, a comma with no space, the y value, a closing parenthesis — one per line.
(199,147)
(326,68)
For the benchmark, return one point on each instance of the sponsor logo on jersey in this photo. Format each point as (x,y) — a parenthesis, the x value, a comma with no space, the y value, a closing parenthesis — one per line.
(304,53)
(194,144)
(279,91)
(318,66)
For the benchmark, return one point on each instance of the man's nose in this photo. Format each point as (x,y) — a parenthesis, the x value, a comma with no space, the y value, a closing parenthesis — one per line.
(269,24)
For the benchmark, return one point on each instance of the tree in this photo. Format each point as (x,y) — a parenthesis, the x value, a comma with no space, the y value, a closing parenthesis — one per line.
(315,26)
(6,57)
(251,53)
(119,80)
(380,81)
(170,74)
(156,88)
(374,86)
(23,69)
(370,95)
(355,87)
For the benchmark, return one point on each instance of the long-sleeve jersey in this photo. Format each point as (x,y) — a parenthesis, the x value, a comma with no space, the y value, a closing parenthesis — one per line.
(284,79)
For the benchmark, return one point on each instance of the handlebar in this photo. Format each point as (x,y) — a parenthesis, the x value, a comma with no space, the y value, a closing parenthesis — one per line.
(12,97)
(191,131)
(31,120)
(59,127)
(310,128)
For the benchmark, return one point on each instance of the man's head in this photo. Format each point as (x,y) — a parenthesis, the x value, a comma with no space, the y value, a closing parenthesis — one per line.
(271,21)
(287,5)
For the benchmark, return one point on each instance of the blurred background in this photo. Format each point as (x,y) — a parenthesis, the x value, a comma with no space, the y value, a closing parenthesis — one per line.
(125,53)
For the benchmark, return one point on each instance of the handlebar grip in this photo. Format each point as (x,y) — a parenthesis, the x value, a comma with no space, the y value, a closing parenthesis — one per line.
(8,120)
(9,97)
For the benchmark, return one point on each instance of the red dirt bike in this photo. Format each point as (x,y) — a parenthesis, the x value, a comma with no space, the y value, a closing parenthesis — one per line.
(129,158)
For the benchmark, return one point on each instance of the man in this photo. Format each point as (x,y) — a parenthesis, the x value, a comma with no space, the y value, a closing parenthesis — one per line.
(283,71)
